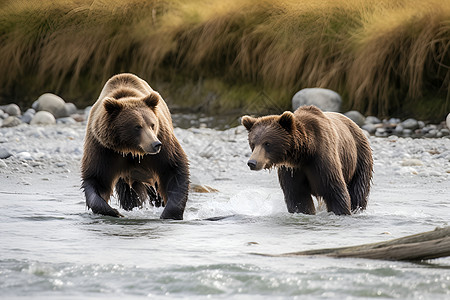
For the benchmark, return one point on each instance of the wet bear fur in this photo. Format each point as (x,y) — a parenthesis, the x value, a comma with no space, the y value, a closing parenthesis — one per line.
(130,146)
(324,154)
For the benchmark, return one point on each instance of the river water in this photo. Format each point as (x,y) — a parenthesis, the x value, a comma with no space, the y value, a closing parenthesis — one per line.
(52,247)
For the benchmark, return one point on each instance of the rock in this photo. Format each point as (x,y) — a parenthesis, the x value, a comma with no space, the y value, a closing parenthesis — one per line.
(43,118)
(412,162)
(66,120)
(70,108)
(410,124)
(11,121)
(3,115)
(448,121)
(51,103)
(11,109)
(3,165)
(4,153)
(407,132)
(28,115)
(381,132)
(398,129)
(393,121)
(24,156)
(356,117)
(431,133)
(325,99)
(445,132)
(370,128)
(372,120)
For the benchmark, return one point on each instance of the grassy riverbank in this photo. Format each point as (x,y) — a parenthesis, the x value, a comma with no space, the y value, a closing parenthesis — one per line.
(385,57)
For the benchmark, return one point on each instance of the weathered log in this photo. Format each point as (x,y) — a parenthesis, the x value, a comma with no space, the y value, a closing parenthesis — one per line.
(422,246)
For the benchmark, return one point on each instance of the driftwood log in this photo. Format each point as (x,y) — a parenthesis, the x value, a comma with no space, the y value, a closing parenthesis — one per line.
(422,246)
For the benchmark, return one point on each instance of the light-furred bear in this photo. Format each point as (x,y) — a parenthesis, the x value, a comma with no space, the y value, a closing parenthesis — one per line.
(130,145)
(324,154)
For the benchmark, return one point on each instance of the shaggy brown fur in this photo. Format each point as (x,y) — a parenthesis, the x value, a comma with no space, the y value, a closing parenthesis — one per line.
(322,154)
(130,145)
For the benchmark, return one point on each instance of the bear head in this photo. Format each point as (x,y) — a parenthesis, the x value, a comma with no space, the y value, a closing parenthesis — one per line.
(270,138)
(130,125)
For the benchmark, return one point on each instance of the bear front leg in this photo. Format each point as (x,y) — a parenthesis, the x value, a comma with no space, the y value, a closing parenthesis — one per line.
(297,192)
(95,202)
(175,187)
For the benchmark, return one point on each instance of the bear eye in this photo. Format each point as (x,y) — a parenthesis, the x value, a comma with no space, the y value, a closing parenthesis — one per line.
(138,127)
(153,126)
(266,144)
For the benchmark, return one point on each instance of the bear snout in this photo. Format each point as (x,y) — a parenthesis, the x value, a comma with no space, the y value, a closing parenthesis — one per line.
(156,145)
(252,164)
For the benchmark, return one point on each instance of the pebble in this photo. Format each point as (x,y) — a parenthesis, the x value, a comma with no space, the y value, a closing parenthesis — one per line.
(28,116)
(66,120)
(24,155)
(4,153)
(3,165)
(11,121)
(412,162)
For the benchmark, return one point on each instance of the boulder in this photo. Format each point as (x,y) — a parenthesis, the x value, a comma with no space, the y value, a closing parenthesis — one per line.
(325,99)
(43,118)
(11,109)
(372,120)
(448,121)
(356,117)
(51,103)
(410,124)
(70,108)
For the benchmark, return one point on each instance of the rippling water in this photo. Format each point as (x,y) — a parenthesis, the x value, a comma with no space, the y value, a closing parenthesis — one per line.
(53,248)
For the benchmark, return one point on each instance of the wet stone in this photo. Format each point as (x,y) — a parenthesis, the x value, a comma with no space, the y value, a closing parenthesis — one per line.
(4,153)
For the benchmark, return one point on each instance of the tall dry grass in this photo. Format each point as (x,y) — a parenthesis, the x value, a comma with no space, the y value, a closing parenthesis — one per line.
(385,56)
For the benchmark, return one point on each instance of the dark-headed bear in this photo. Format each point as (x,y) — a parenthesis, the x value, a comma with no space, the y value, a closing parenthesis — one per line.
(324,154)
(130,145)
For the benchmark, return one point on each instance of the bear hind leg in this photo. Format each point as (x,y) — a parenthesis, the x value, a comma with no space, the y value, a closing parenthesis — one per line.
(131,196)
(359,186)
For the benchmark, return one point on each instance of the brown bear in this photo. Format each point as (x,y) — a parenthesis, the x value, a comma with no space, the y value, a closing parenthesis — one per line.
(130,145)
(324,154)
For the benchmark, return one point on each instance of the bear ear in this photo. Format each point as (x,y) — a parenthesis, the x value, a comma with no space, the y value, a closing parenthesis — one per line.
(248,122)
(152,100)
(287,121)
(112,105)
